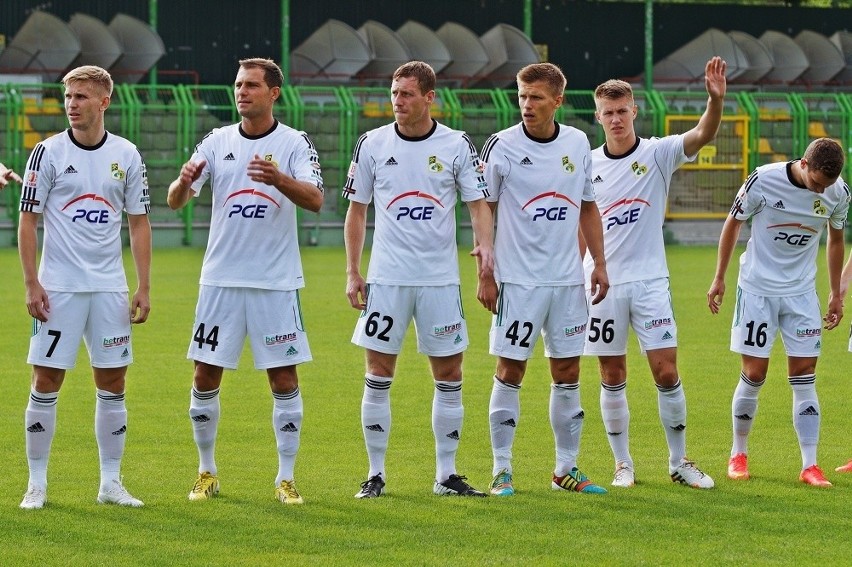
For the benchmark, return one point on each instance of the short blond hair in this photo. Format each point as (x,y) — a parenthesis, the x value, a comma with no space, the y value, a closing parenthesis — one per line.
(92,74)
(547,73)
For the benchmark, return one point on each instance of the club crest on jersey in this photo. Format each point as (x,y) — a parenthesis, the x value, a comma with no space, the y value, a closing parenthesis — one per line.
(638,170)
(116,171)
(819,208)
(434,165)
(567,165)
(268,157)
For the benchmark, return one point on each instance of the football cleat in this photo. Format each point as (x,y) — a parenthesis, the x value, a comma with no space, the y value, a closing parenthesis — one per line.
(576,481)
(286,493)
(206,486)
(502,484)
(813,476)
(738,467)
(35,498)
(687,473)
(115,493)
(624,475)
(456,486)
(844,468)
(373,487)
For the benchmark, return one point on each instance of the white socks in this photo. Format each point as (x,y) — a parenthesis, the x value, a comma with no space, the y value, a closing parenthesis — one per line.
(287,423)
(376,421)
(204,412)
(504,411)
(39,427)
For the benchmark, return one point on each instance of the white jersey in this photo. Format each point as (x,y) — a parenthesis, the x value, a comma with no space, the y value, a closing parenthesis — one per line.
(414,184)
(253,231)
(540,186)
(787,221)
(631,191)
(81,192)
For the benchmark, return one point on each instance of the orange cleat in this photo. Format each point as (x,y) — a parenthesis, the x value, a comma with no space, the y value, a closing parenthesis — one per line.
(738,467)
(813,476)
(844,468)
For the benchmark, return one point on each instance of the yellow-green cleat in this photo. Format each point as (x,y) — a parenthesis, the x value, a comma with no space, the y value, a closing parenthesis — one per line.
(286,493)
(205,487)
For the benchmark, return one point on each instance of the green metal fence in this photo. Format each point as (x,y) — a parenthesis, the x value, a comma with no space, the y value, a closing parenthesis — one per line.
(167,121)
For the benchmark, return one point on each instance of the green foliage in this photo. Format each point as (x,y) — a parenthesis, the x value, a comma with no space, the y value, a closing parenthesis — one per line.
(770,519)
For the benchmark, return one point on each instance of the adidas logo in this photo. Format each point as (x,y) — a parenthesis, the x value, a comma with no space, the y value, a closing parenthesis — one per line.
(744,417)
(667,336)
(391,161)
(121,431)
(230,157)
(679,427)
(375,427)
(200,418)
(580,415)
(125,354)
(526,161)
(597,179)
(289,428)
(70,169)
(291,351)
(818,344)
(454,434)
(810,410)
(458,339)
(509,423)
(36,427)
(779,204)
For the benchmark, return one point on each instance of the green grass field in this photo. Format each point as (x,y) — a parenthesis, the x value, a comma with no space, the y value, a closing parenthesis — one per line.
(772,519)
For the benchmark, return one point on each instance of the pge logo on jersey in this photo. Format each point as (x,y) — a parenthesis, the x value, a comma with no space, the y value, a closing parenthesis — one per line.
(254,209)
(92,213)
(622,217)
(415,210)
(788,234)
(543,212)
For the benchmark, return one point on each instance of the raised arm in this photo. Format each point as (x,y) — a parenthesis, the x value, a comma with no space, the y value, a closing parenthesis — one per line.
(303,194)
(708,125)
(180,190)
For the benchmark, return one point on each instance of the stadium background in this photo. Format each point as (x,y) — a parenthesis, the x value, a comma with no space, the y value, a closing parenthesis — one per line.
(591,41)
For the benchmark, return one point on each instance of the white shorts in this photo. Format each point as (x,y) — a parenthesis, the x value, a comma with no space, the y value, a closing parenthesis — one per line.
(757,320)
(644,305)
(437,312)
(100,318)
(271,319)
(558,313)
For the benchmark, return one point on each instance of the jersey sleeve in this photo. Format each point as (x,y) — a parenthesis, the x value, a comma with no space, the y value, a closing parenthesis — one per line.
(38,179)
(304,162)
(838,215)
(749,199)
(492,168)
(470,177)
(361,176)
(137,200)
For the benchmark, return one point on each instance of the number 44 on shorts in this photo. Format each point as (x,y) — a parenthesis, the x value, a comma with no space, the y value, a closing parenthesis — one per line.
(211,338)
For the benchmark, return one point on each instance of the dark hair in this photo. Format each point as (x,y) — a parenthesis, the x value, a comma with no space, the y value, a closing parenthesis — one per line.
(825,155)
(271,71)
(545,72)
(421,71)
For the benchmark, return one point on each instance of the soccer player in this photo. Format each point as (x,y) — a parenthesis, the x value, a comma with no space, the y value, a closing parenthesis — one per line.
(539,171)
(81,181)
(631,177)
(789,205)
(7,174)
(261,171)
(412,169)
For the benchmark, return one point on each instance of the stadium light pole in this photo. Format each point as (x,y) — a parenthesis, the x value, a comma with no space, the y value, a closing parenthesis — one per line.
(649,45)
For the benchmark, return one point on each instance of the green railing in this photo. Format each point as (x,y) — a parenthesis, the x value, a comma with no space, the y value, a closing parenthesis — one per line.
(167,121)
